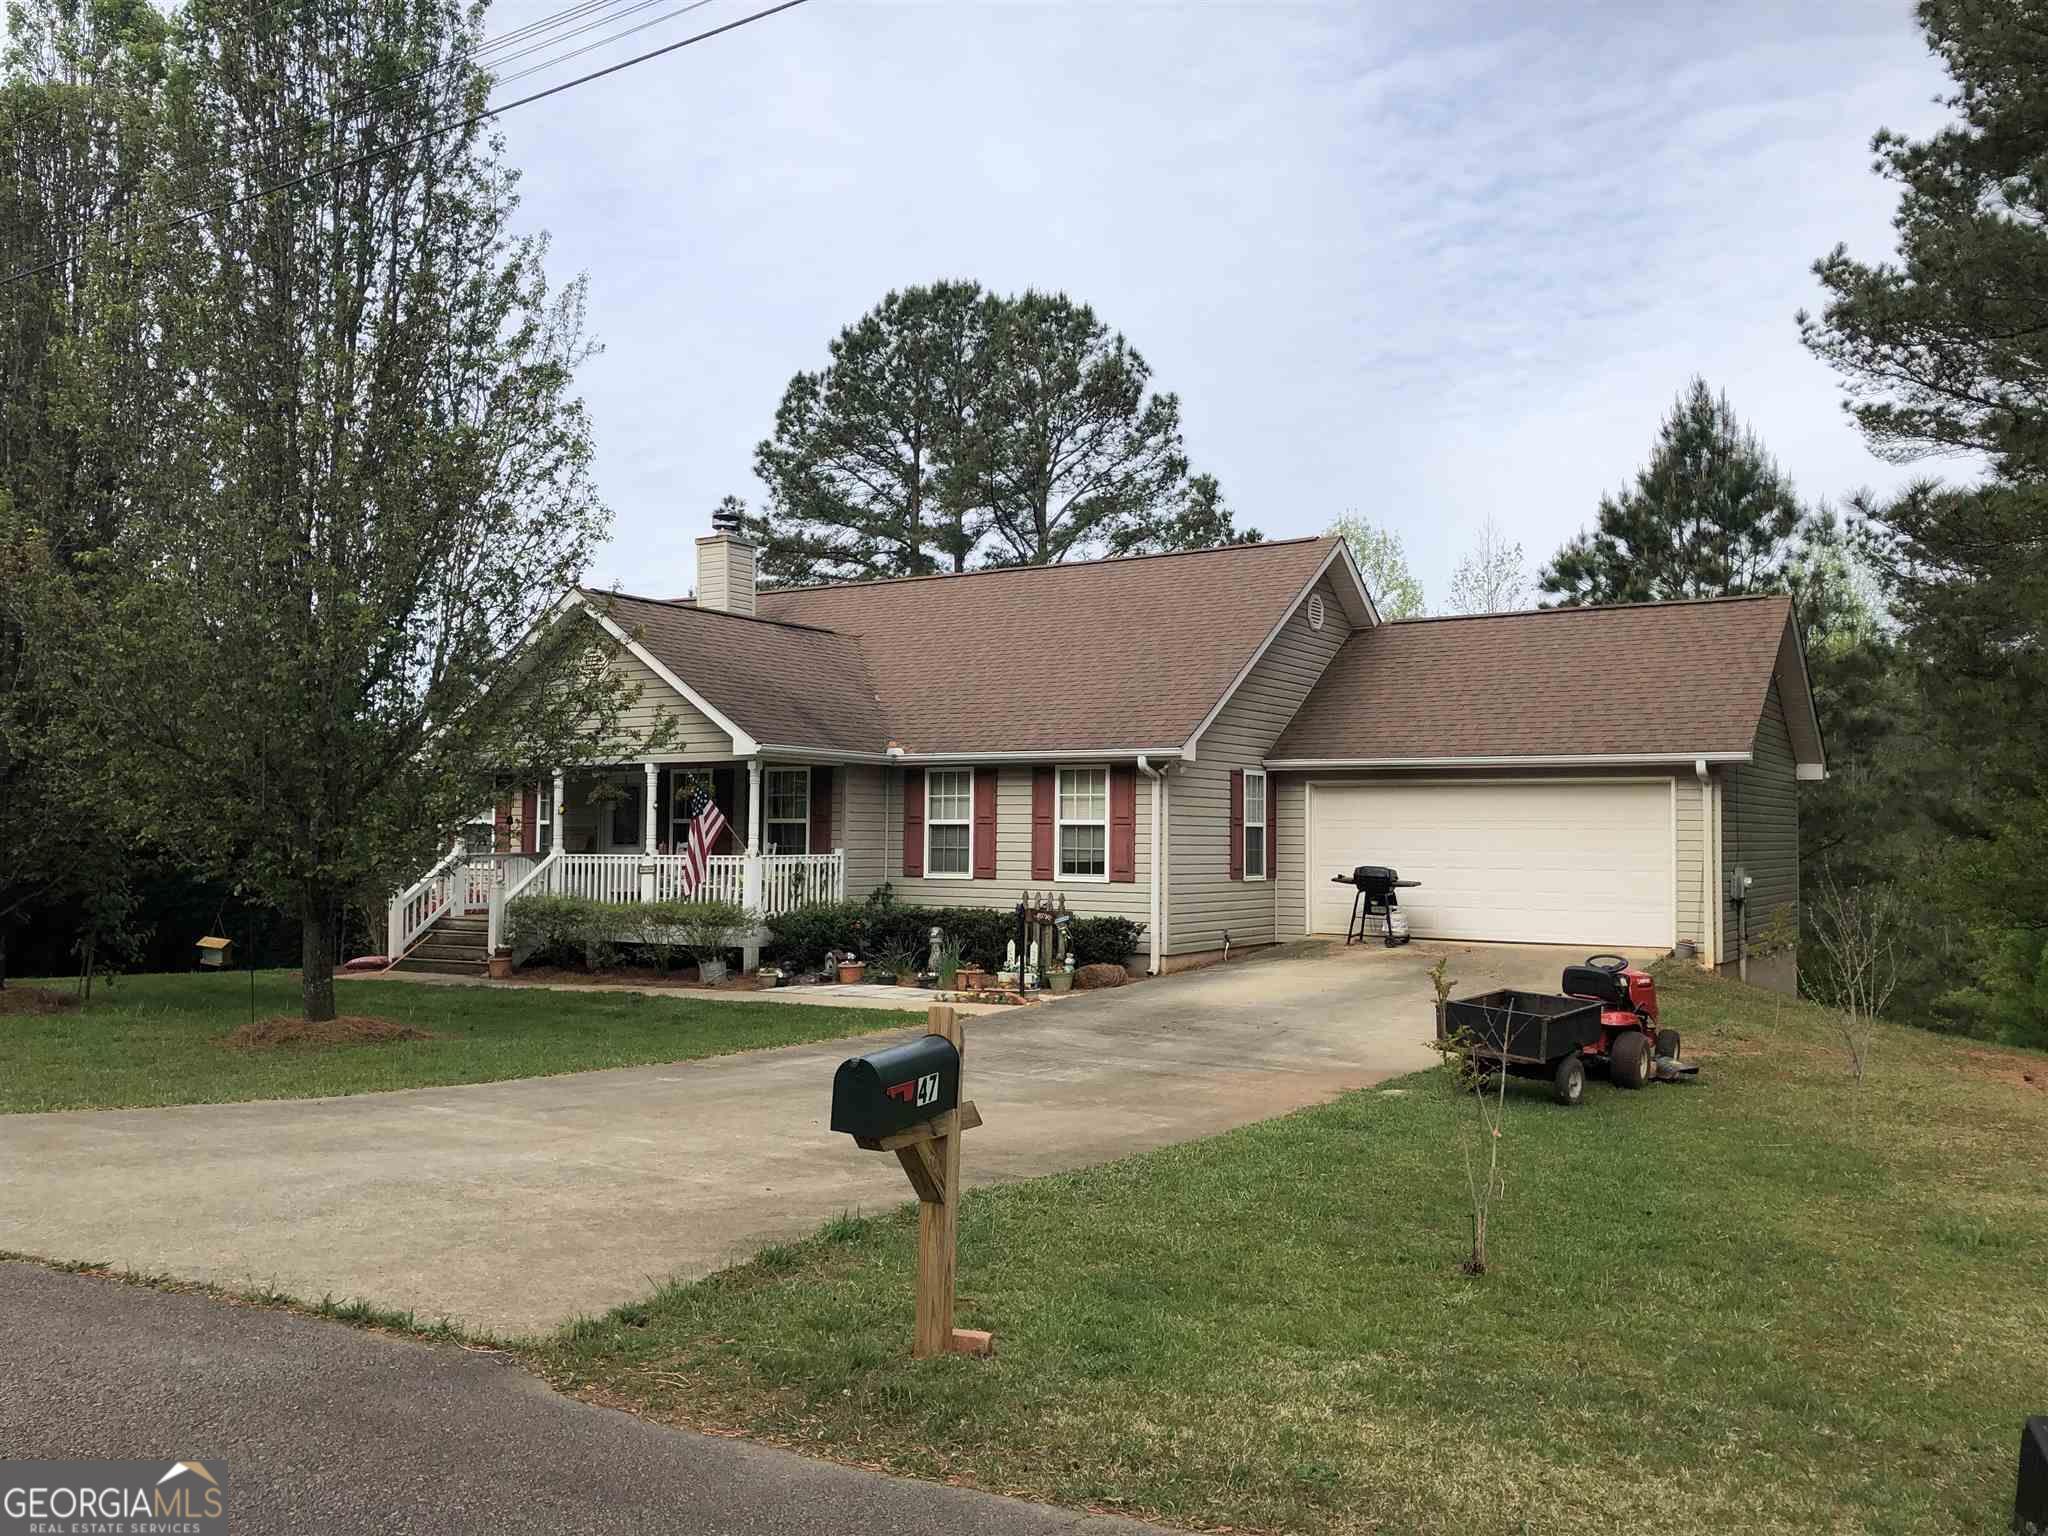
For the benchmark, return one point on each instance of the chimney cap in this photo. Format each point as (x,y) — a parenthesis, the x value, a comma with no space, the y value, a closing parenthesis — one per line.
(726,521)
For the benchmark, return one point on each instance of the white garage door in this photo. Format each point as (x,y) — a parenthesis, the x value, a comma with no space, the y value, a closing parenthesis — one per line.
(1531,863)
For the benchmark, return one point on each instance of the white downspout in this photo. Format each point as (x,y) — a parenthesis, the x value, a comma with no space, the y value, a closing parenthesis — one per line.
(1158,778)
(1709,957)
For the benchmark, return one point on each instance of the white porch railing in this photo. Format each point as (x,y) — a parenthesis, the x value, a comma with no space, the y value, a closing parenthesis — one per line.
(490,882)
(597,876)
(787,880)
(790,880)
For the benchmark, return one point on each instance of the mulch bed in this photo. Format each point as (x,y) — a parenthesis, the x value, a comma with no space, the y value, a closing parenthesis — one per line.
(349,1029)
(37,1000)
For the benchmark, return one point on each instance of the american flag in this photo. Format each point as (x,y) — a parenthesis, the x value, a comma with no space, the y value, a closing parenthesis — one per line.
(706,823)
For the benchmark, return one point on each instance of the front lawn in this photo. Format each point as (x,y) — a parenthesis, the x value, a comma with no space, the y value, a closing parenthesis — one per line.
(162,1039)
(1747,1304)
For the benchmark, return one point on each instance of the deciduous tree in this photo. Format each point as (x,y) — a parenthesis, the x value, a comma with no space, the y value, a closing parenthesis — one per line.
(320,634)
(1383,561)
(1493,577)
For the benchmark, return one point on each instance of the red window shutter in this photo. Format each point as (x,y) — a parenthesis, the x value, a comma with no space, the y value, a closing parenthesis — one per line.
(1041,823)
(821,810)
(1237,823)
(1272,831)
(1123,823)
(913,823)
(529,813)
(984,823)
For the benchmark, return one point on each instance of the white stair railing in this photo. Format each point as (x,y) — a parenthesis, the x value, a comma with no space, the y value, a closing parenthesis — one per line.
(413,910)
(517,881)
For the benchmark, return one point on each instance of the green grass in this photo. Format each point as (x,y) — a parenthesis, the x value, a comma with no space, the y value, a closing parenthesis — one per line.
(153,1040)
(1752,1303)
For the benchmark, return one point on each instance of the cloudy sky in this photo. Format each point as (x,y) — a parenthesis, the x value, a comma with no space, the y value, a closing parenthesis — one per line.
(1428,262)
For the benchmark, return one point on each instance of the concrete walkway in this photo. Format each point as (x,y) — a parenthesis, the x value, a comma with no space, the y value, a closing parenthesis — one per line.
(315,1428)
(512,1206)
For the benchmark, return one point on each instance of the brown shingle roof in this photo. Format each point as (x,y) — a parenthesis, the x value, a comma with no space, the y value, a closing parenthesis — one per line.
(1678,679)
(784,684)
(1109,654)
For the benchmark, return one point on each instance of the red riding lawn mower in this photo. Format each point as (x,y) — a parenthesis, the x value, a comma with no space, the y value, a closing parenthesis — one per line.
(1604,1013)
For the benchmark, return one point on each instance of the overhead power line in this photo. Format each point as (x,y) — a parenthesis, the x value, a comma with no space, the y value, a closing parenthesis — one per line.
(453,125)
(488,54)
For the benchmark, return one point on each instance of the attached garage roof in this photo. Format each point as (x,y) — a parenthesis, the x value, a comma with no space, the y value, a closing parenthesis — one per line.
(1646,681)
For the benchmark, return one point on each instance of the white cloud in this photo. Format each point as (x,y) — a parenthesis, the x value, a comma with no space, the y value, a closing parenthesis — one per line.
(1429,269)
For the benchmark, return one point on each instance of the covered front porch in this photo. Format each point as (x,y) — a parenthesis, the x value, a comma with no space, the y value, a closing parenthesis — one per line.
(615,834)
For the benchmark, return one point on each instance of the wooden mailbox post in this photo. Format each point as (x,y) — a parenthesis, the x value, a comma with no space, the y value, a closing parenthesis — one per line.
(930,1154)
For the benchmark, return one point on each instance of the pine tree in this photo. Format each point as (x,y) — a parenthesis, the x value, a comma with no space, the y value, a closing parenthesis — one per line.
(955,427)
(1945,349)
(1710,515)
(866,467)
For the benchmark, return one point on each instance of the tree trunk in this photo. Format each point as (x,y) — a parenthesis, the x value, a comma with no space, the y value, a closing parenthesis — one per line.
(317,942)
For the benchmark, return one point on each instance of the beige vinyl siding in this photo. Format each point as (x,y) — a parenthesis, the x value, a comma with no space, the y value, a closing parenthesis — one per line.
(1760,828)
(1289,794)
(872,801)
(1206,902)
(857,826)
(696,737)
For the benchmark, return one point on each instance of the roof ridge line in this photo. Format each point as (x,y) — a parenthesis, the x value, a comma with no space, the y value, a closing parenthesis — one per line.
(691,605)
(1563,608)
(1058,565)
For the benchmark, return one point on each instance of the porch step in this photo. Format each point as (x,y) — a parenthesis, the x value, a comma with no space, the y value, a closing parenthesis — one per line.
(434,948)
(414,962)
(478,925)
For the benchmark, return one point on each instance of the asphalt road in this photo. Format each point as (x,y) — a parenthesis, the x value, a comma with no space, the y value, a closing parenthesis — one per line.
(322,1427)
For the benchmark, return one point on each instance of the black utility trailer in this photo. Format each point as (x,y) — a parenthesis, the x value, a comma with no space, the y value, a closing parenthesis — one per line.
(1526,1034)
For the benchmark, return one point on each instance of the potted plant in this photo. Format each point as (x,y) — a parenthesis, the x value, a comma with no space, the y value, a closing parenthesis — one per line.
(851,970)
(1061,978)
(501,965)
(707,929)
(900,964)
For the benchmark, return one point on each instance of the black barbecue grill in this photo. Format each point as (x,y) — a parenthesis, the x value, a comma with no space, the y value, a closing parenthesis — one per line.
(1377,885)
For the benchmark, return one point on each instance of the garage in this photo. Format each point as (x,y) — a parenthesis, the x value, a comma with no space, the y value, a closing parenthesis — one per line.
(1585,862)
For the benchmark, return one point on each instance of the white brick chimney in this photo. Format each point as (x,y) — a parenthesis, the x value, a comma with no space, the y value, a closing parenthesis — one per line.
(725,573)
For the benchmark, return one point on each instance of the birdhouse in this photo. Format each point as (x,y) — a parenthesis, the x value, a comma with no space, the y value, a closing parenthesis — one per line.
(216,953)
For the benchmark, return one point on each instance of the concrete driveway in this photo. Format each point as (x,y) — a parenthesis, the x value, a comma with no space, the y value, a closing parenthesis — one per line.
(513,1206)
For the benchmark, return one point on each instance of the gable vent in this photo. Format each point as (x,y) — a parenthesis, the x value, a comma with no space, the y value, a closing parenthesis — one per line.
(1316,614)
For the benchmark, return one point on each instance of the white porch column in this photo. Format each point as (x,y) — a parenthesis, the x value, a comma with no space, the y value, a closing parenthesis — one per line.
(558,827)
(750,871)
(653,771)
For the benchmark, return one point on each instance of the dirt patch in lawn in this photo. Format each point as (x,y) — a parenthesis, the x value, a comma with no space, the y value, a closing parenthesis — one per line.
(37,1000)
(2010,1067)
(349,1029)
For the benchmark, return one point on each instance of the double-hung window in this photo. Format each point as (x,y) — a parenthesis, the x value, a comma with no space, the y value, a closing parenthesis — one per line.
(786,797)
(1254,825)
(949,823)
(544,814)
(1083,824)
